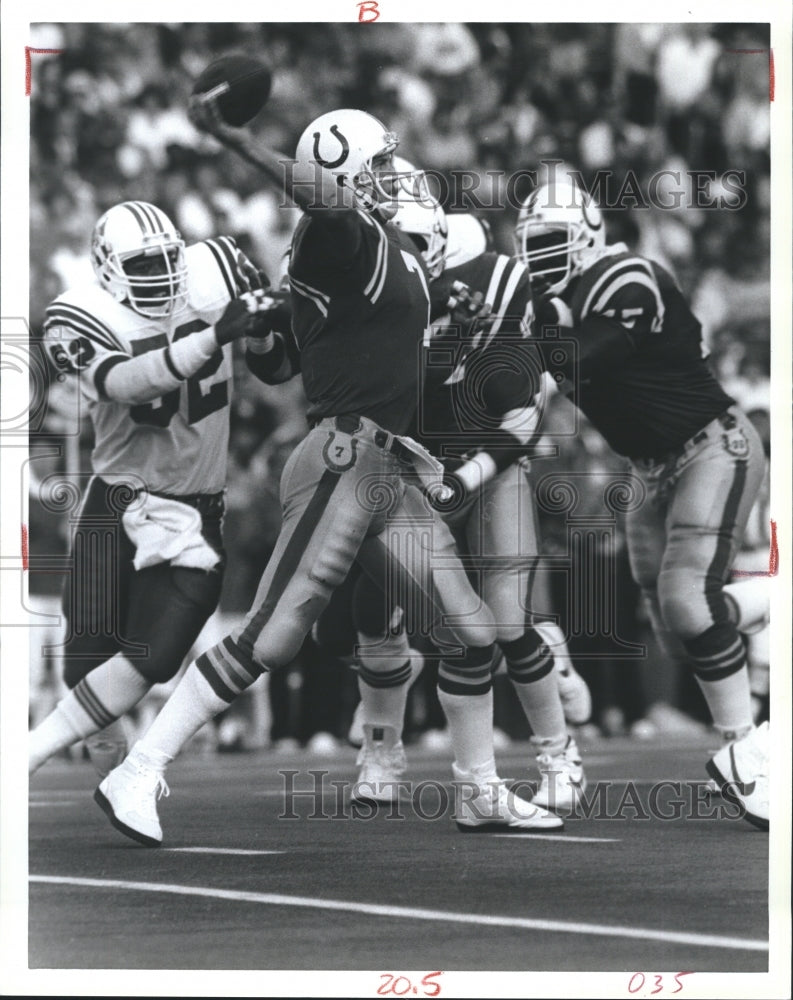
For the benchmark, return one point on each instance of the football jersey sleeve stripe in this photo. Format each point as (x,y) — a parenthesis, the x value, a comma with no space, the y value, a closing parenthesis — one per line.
(314,296)
(383,271)
(70,311)
(223,267)
(495,280)
(310,289)
(501,308)
(631,278)
(231,253)
(602,284)
(82,322)
(378,275)
(103,369)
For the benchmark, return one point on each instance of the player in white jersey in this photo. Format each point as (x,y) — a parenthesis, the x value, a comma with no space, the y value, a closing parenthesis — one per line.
(149,341)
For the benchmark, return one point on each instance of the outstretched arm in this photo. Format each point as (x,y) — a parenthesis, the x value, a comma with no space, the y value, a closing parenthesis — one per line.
(307,185)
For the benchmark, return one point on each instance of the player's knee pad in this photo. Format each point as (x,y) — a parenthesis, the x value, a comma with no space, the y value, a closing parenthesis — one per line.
(169,606)
(717,652)
(748,603)
(278,643)
(528,658)
(469,674)
(477,630)
(684,604)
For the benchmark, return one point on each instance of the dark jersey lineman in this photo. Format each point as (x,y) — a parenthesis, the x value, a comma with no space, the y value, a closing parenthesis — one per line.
(636,370)
(641,377)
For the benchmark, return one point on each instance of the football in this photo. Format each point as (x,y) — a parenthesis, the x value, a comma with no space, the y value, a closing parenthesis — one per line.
(239,84)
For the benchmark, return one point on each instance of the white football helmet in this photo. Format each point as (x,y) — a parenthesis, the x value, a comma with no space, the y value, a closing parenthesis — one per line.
(468,238)
(138,257)
(559,232)
(418,213)
(353,147)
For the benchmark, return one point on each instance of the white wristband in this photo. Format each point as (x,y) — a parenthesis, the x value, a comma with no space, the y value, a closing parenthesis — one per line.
(477,471)
(189,353)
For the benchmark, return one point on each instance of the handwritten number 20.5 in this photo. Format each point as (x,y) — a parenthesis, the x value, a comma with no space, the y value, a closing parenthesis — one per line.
(199,404)
(400,985)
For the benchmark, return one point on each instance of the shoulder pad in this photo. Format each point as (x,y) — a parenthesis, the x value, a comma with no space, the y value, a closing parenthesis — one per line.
(87,311)
(615,282)
(214,274)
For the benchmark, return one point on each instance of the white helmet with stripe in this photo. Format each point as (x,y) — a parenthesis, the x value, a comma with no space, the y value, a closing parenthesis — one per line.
(419,214)
(559,232)
(138,257)
(353,147)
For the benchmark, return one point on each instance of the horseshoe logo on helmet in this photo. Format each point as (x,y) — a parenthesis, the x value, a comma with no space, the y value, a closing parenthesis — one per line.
(592,223)
(345,150)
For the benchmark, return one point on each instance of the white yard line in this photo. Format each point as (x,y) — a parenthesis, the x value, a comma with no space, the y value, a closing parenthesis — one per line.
(560,837)
(219,850)
(415,913)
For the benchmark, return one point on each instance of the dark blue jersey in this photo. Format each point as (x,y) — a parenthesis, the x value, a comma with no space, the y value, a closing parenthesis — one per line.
(471,382)
(650,389)
(360,307)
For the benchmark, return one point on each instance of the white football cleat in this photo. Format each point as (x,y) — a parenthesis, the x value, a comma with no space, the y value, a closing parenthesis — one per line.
(483,804)
(382,761)
(107,748)
(740,769)
(128,796)
(563,780)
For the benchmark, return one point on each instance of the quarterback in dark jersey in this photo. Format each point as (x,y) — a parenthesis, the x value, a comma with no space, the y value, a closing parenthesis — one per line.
(148,342)
(635,367)
(361,305)
(478,414)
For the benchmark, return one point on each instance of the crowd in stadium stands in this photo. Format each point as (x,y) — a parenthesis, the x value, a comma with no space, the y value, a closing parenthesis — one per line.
(109,122)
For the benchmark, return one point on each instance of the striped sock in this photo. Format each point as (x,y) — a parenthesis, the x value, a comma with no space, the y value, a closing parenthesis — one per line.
(107,693)
(530,668)
(209,685)
(471,673)
(718,658)
(111,690)
(384,677)
(192,704)
(470,719)
(465,692)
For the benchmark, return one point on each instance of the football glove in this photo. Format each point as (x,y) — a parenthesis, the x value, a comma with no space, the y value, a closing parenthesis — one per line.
(468,309)
(244,317)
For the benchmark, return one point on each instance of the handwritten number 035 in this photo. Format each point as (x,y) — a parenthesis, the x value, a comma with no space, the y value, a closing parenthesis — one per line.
(199,404)
(638,980)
